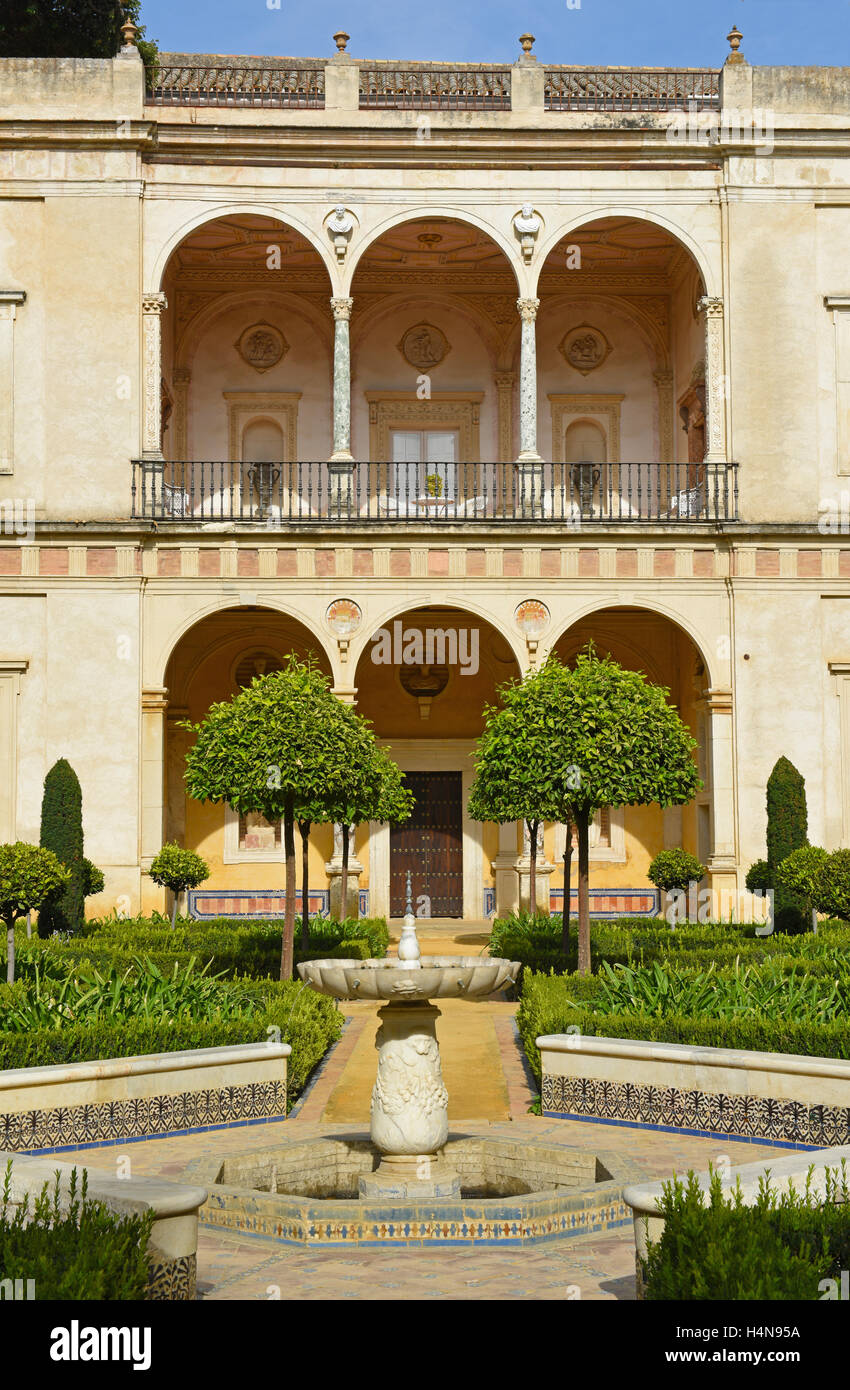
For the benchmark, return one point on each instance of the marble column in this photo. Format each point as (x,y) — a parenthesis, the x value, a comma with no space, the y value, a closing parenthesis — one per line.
(342,381)
(715,381)
(153,307)
(528,382)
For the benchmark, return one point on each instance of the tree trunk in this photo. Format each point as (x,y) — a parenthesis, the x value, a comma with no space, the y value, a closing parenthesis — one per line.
(286,949)
(10,953)
(304,831)
(343,878)
(532,868)
(568,883)
(583,826)
(29,926)
(175,895)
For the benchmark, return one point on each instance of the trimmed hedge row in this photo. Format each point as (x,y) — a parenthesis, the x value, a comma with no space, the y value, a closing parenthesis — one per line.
(308,1021)
(553,1003)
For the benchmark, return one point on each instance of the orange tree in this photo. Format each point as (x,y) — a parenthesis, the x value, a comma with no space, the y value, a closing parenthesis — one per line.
(283,747)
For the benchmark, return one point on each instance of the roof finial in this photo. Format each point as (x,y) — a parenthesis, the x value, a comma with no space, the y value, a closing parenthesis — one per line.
(129,32)
(733,38)
(341,40)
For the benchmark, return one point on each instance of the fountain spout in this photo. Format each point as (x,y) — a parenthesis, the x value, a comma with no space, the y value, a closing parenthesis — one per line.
(409,954)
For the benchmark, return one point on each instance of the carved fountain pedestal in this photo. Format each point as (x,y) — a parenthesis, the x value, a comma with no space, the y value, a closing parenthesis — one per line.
(409,1124)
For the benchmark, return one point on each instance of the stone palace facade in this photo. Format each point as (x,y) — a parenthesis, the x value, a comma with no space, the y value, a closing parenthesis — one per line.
(428,369)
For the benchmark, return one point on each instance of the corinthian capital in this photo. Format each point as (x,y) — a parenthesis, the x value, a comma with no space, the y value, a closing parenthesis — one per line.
(342,309)
(712,307)
(154,303)
(528,309)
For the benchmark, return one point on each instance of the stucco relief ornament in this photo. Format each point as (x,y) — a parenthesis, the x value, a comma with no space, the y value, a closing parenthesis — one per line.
(340,227)
(424,346)
(344,617)
(261,346)
(585,348)
(527,226)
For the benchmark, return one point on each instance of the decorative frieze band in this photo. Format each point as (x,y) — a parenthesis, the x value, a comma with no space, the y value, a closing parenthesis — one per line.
(574,561)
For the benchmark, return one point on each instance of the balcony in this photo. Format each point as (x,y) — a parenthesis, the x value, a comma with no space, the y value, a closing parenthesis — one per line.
(566,496)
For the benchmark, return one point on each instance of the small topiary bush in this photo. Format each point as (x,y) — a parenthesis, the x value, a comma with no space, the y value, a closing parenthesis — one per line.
(177,869)
(782,1247)
(84,1252)
(675,869)
(832,889)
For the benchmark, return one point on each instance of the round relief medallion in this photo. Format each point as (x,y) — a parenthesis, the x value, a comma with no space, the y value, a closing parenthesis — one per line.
(261,346)
(344,617)
(585,348)
(424,346)
(532,617)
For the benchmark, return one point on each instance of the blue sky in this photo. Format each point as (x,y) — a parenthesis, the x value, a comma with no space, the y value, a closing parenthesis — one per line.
(628,32)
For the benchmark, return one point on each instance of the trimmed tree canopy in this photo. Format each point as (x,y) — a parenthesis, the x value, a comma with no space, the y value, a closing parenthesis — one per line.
(29,875)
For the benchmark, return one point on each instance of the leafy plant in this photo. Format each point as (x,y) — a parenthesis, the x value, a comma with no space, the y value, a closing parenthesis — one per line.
(674,869)
(178,869)
(29,875)
(800,874)
(832,888)
(62,832)
(72,29)
(787,830)
(93,880)
(782,1246)
(72,1248)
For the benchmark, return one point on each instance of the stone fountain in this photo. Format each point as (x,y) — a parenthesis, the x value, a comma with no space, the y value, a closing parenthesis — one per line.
(409,1113)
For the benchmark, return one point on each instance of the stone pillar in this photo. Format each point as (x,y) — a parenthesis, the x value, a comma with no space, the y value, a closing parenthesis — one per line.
(715,381)
(528,382)
(723,861)
(342,382)
(153,307)
(505,871)
(409,1102)
(154,707)
(504,383)
(180,429)
(333,868)
(663,379)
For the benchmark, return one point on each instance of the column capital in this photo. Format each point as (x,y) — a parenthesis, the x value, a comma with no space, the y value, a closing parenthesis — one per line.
(711,306)
(527,309)
(504,381)
(342,307)
(155,697)
(154,303)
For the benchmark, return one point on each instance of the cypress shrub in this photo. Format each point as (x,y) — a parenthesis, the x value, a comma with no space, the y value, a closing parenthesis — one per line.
(787,830)
(62,832)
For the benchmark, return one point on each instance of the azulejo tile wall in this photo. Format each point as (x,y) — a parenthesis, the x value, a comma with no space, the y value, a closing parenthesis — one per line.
(141,1118)
(172,1281)
(732,1116)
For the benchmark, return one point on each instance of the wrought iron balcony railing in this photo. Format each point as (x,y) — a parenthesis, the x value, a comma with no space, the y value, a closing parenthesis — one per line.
(632,89)
(567,495)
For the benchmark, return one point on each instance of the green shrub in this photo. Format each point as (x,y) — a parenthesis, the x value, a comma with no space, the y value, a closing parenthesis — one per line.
(675,869)
(62,832)
(177,869)
(787,830)
(832,889)
(93,880)
(552,1004)
(84,1252)
(759,877)
(29,876)
(781,1247)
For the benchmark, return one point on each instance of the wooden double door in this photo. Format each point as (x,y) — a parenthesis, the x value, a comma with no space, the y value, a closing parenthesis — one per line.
(430,847)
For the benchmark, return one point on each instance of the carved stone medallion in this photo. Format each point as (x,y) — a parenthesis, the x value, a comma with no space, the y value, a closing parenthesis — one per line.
(261,346)
(585,348)
(424,346)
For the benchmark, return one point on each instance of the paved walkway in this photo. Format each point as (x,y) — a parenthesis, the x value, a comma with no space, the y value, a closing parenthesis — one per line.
(488,1082)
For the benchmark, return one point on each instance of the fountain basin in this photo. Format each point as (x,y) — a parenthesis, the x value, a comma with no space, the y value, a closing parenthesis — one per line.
(517,1186)
(434,977)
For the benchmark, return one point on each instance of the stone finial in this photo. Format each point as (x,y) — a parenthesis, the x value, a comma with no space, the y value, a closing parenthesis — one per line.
(734,38)
(341,40)
(527,41)
(129,33)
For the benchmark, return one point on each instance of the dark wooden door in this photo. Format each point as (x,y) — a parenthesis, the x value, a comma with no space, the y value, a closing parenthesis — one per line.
(430,845)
